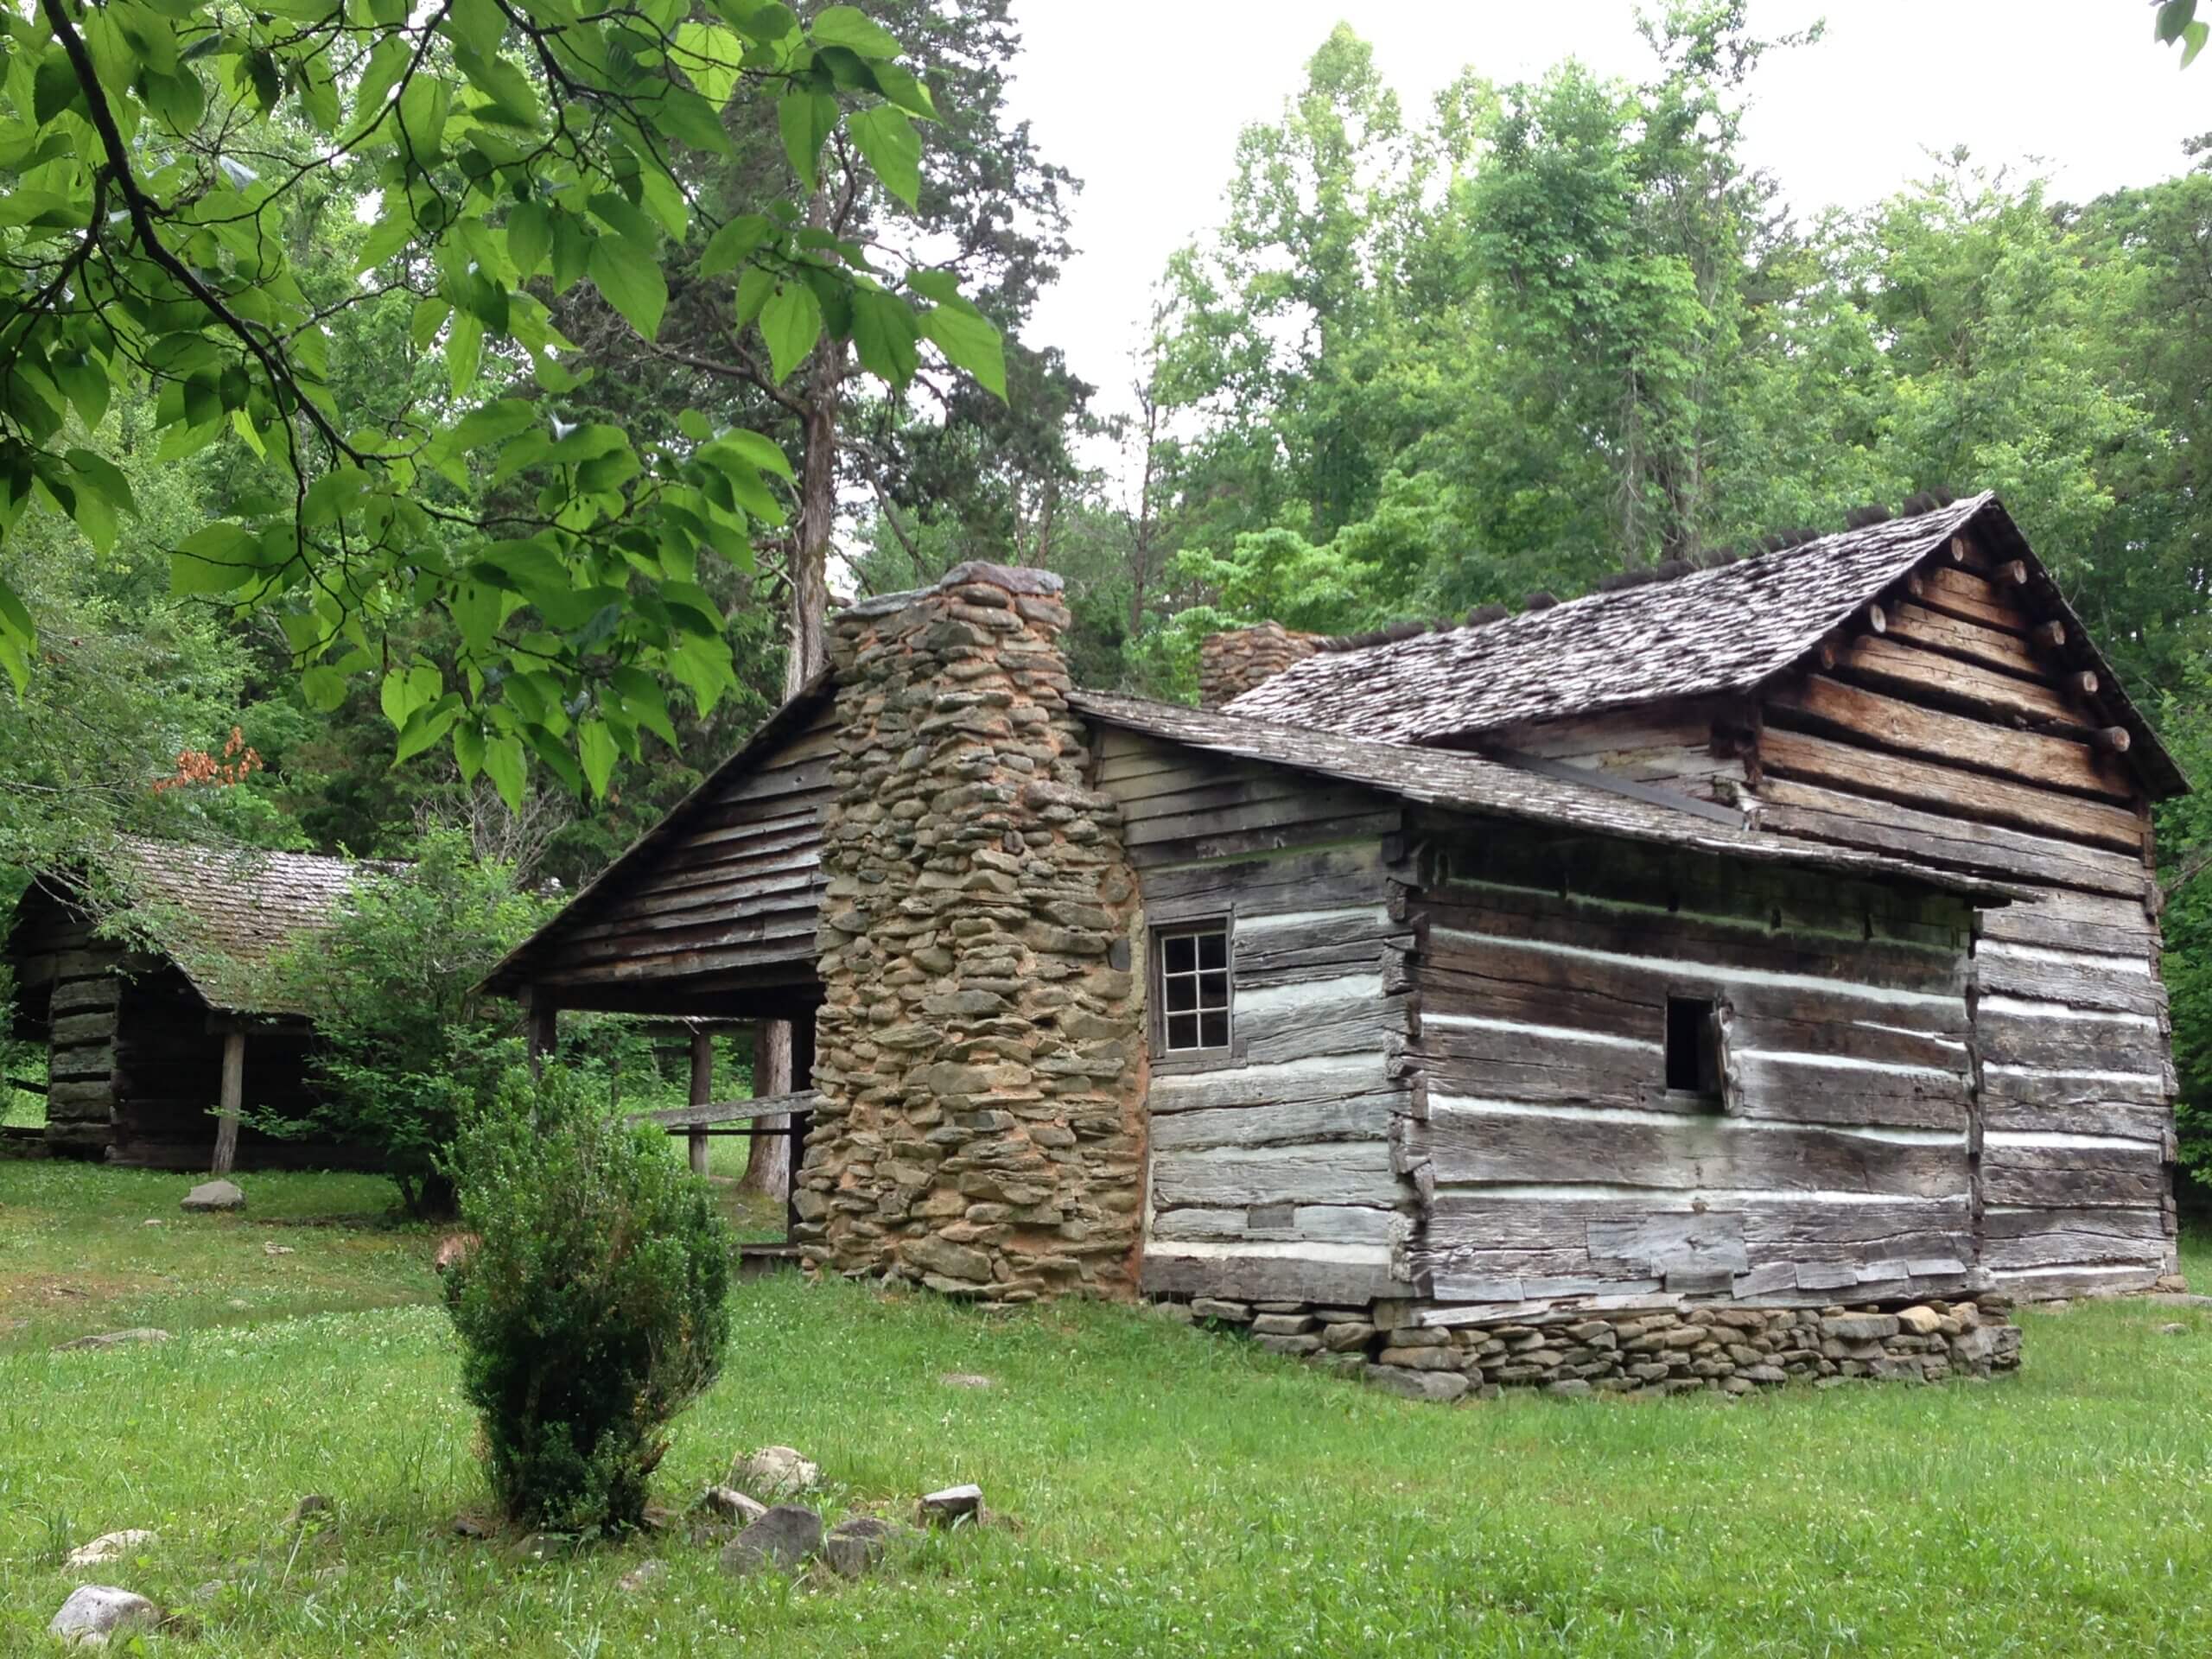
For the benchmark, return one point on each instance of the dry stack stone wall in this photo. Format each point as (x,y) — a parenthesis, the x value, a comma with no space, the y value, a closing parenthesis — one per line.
(978,1053)
(1678,1349)
(1229,664)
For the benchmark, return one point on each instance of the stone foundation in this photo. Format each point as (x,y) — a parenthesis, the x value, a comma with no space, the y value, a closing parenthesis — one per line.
(1229,664)
(1731,1350)
(979,1053)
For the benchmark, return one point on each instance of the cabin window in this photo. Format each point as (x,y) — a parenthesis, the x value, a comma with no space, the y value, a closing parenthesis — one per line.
(1194,987)
(1693,1046)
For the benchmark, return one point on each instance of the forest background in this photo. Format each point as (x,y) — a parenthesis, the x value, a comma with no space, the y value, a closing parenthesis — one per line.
(1428,358)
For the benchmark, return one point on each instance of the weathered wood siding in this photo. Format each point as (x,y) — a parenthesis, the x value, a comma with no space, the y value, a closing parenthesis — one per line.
(730,903)
(1271,1172)
(1696,746)
(1553,1161)
(1961,736)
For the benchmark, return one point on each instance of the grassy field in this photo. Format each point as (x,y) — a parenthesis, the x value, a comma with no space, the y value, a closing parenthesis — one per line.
(1164,1491)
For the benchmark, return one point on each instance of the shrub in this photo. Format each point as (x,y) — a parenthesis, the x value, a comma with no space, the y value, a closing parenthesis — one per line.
(593,1309)
(404,1044)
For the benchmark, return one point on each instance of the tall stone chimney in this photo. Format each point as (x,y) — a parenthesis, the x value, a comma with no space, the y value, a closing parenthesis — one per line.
(1231,664)
(978,1052)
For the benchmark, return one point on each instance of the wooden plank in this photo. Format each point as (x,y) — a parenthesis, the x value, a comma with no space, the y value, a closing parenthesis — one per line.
(1815,813)
(1356,1117)
(1319,1224)
(730,1111)
(2047,1034)
(1897,665)
(2015,1239)
(1961,594)
(1333,1077)
(2121,984)
(1957,739)
(1588,945)
(81,1060)
(85,996)
(2152,1123)
(1813,1088)
(1946,789)
(1969,641)
(1339,1172)
(1252,1277)
(1321,879)
(2073,1177)
(1467,1147)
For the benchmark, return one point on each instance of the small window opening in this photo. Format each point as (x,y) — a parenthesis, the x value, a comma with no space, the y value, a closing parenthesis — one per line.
(1194,992)
(1693,1046)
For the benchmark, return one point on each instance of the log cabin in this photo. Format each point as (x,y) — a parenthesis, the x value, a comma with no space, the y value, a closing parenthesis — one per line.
(158,1035)
(1745,975)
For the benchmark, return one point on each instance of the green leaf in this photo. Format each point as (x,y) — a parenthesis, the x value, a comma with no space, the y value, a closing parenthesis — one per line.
(711,57)
(737,241)
(426,726)
(477,24)
(645,702)
(805,119)
(324,688)
(888,142)
(55,88)
(2193,38)
(595,748)
(791,322)
(854,29)
(405,690)
(2173,18)
(631,281)
(969,342)
(764,452)
(84,383)
(900,86)
(572,245)
(752,291)
(468,749)
(19,637)
(214,560)
(885,333)
(478,609)
(504,765)
(530,237)
(464,350)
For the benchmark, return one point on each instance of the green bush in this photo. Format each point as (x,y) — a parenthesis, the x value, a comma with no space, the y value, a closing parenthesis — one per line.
(404,1044)
(593,1309)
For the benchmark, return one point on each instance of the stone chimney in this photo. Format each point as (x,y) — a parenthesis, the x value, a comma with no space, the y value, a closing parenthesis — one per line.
(1229,664)
(978,1053)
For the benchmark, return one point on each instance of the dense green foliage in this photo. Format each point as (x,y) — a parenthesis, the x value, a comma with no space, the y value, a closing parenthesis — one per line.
(406,1047)
(172,170)
(1166,1493)
(594,1306)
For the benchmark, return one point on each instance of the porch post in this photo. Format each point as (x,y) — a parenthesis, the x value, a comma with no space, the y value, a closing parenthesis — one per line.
(702,1092)
(542,1021)
(226,1128)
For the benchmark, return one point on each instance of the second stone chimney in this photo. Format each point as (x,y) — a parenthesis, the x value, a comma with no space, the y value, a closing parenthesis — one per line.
(979,1052)
(1231,664)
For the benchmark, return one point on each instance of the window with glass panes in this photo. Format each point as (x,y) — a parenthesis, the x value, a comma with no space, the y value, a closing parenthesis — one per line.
(1194,988)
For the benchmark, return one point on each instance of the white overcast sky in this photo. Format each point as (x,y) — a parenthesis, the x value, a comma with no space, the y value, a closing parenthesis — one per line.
(1144,99)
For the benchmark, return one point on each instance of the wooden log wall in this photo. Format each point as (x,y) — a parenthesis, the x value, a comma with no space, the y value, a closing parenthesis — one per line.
(1963,734)
(1271,1174)
(1696,746)
(730,904)
(1555,1164)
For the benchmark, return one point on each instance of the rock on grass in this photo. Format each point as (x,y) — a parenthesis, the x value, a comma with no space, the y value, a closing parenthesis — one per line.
(211,1196)
(784,1537)
(112,1546)
(96,1613)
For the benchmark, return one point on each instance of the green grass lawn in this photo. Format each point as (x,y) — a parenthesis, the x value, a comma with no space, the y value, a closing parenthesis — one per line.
(1165,1491)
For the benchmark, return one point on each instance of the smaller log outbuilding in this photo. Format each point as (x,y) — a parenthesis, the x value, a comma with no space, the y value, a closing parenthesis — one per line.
(155,1045)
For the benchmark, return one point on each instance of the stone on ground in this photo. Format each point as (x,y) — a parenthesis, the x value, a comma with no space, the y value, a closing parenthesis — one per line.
(113,1338)
(112,1546)
(773,1471)
(731,1504)
(1920,1321)
(2176,1329)
(951,1506)
(784,1537)
(314,1503)
(95,1612)
(213,1195)
(641,1576)
(856,1544)
(966,1380)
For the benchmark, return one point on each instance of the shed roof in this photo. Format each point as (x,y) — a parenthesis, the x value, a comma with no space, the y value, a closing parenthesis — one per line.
(1473,783)
(1725,629)
(223,914)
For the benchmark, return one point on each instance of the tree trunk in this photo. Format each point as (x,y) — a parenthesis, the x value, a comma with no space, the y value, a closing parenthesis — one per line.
(768,1172)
